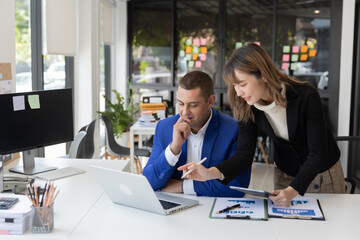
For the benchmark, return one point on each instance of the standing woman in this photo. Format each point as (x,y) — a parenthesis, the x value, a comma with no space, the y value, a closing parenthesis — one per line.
(288,111)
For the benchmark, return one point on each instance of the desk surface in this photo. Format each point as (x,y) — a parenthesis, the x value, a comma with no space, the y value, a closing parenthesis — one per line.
(84,211)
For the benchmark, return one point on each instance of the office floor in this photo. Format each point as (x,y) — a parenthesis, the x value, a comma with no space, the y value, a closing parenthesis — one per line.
(262,177)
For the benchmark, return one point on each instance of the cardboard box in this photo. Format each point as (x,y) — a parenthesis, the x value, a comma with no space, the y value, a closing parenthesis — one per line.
(5,78)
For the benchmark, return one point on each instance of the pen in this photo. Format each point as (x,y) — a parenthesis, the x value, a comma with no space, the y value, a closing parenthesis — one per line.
(202,160)
(237,217)
(228,209)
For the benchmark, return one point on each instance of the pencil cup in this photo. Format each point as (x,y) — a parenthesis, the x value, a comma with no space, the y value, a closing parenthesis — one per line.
(42,219)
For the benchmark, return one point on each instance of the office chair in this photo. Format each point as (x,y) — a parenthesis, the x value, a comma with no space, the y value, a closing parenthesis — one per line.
(74,151)
(87,148)
(115,149)
(349,181)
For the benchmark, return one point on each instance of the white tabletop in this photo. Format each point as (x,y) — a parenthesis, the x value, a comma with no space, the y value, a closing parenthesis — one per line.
(84,211)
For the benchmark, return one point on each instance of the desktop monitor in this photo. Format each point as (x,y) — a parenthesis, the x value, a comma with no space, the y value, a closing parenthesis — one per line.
(33,120)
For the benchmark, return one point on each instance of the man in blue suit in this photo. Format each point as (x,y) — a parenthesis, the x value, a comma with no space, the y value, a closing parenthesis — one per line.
(198,131)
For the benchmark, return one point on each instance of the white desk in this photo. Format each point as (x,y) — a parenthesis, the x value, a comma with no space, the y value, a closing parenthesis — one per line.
(83,211)
(136,129)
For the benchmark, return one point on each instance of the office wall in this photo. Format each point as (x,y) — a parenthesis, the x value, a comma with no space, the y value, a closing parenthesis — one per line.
(347,46)
(7,34)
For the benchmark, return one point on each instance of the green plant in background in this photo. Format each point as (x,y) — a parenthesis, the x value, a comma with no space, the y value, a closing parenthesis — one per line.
(121,116)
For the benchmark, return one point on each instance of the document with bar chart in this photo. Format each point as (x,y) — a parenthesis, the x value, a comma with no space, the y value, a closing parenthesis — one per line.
(300,208)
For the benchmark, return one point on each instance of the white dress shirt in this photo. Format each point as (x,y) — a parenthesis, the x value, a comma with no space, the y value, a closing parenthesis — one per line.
(194,147)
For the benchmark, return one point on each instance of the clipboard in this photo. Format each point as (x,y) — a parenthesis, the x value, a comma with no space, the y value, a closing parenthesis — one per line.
(258,193)
(250,208)
(303,208)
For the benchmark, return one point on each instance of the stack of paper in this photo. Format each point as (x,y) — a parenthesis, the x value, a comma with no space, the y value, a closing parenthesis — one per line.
(151,113)
(17,219)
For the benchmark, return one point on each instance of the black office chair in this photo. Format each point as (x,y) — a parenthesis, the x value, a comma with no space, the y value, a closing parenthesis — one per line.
(349,182)
(75,147)
(115,149)
(87,148)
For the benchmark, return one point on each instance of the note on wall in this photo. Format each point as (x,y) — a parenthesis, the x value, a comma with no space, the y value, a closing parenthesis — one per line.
(198,64)
(203,41)
(285,66)
(5,86)
(293,66)
(19,103)
(191,64)
(294,57)
(303,57)
(286,57)
(238,45)
(304,48)
(312,53)
(188,49)
(295,49)
(202,57)
(195,57)
(196,42)
(188,57)
(195,50)
(182,53)
(286,49)
(203,50)
(188,41)
(34,101)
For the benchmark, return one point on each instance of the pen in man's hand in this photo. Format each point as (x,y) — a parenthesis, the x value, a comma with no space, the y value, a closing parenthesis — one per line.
(202,160)
(228,209)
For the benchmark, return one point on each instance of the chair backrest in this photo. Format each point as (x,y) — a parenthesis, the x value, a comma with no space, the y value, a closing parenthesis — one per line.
(89,146)
(74,151)
(112,146)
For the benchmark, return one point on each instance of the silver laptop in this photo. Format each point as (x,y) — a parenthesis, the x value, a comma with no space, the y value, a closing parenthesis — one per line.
(135,191)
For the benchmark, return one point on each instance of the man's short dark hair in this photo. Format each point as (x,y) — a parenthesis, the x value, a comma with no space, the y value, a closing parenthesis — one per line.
(198,79)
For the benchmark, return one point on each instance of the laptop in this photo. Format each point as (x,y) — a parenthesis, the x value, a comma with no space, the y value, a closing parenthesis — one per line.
(135,191)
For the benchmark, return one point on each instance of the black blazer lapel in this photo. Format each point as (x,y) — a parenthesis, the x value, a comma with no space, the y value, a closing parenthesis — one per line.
(292,112)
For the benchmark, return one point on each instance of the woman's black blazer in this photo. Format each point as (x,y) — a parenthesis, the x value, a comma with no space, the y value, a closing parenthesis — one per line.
(311,148)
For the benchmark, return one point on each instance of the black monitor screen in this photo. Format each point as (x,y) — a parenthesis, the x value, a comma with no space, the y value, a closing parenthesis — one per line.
(35,119)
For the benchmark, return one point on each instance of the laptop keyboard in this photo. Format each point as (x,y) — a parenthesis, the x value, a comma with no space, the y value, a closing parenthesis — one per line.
(167,205)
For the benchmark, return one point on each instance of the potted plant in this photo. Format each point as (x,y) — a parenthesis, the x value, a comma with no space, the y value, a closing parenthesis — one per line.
(121,117)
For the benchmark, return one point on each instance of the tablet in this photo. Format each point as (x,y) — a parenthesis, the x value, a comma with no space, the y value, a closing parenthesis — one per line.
(253,192)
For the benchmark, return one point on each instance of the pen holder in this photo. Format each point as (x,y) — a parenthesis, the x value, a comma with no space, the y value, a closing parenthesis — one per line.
(42,219)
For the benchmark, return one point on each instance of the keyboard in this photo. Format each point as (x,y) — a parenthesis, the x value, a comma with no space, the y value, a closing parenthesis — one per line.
(7,202)
(167,205)
(60,173)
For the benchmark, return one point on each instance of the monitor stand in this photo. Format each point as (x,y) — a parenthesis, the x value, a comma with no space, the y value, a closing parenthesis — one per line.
(29,167)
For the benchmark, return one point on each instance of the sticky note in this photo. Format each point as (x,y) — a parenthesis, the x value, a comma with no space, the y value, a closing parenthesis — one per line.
(0,75)
(286,49)
(198,64)
(188,57)
(238,45)
(34,101)
(285,66)
(19,103)
(258,43)
(295,49)
(312,53)
(195,50)
(203,50)
(202,41)
(196,42)
(195,56)
(188,41)
(294,57)
(188,49)
(202,57)
(303,57)
(191,64)
(293,66)
(286,57)
(304,48)
(182,53)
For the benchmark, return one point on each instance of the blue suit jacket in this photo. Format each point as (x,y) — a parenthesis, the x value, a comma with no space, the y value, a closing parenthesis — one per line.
(219,144)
